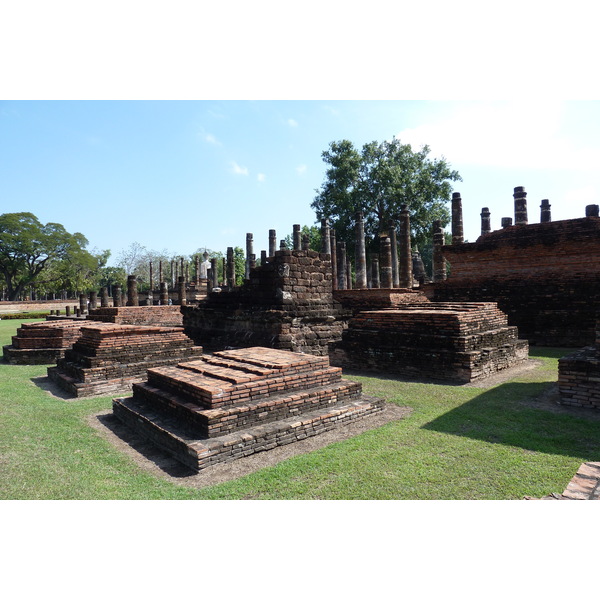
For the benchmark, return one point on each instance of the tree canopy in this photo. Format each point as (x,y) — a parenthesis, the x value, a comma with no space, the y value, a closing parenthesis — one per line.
(28,249)
(378,180)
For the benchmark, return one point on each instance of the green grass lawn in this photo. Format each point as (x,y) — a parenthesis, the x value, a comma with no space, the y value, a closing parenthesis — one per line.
(458,443)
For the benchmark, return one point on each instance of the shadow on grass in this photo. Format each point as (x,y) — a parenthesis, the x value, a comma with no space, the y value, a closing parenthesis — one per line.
(525,415)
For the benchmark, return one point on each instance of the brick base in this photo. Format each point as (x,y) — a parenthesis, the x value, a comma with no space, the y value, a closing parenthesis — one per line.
(579,378)
(240,402)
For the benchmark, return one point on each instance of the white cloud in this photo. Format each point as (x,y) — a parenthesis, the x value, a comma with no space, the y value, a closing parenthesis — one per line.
(237,170)
(506,135)
(211,139)
(261,177)
(292,123)
(301,169)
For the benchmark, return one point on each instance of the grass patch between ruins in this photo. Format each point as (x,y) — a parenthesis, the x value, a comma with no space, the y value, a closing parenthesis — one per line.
(503,442)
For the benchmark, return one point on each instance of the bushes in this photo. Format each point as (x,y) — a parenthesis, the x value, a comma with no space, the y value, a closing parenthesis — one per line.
(26,315)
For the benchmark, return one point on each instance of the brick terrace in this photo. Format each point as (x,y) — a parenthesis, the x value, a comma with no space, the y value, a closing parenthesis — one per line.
(108,358)
(447,341)
(42,343)
(238,402)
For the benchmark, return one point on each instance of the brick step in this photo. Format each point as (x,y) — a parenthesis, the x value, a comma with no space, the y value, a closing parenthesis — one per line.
(212,391)
(101,387)
(101,369)
(165,431)
(439,364)
(435,339)
(131,353)
(33,356)
(215,422)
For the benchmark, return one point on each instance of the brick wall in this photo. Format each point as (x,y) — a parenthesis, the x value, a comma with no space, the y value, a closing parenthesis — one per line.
(544,276)
(287,304)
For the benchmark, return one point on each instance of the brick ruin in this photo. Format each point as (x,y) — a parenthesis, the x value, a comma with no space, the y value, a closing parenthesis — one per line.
(545,276)
(166,316)
(579,376)
(108,359)
(239,402)
(456,342)
(42,343)
(287,303)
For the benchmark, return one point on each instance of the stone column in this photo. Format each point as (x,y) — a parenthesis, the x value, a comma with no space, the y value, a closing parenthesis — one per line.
(252,263)
(173,265)
(132,291)
(164,293)
(150,299)
(197,265)
(181,290)
(360,259)
(405,270)
(263,257)
(181,270)
(117,300)
(592,210)
(545,215)
(386,263)
(230,268)
(83,303)
(272,242)
(297,238)
(520,197)
(375,272)
(457,219)
(68,310)
(341,265)
(485,220)
(439,263)
(305,241)
(348,275)
(249,252)
(394,250)
(506,222)
(325,237)
(333,246)
(214,273)
(93,300)
(160,272)
(282,245)
(103,297)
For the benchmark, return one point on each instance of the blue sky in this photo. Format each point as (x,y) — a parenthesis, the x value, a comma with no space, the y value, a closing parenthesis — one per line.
(183,175)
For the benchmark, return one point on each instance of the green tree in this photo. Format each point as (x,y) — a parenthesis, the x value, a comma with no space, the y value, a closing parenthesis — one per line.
(378,180)
(28,248)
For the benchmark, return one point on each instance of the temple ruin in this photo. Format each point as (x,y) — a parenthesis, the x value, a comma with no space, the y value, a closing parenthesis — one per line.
(239,402)
(108,359)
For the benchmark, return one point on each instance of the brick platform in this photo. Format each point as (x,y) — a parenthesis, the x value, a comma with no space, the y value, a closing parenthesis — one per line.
(239,402)
(108,359)
(458,342)
(42,343)
(165,316)
(369,299)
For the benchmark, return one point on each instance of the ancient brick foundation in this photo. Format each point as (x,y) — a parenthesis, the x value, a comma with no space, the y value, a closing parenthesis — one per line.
(42,343)
(579,376)
(239,402)
(165,316)
(544,276)
(439,341)
(108,359)
(287,304)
